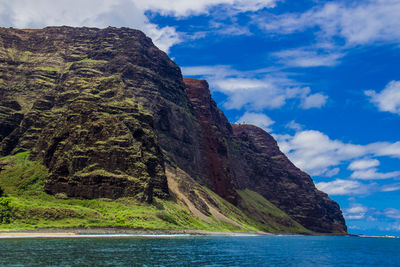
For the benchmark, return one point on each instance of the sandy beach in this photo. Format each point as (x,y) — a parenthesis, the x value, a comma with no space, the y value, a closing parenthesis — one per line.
(112,232)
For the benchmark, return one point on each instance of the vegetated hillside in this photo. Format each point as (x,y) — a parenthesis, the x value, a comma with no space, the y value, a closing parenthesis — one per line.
(98,128)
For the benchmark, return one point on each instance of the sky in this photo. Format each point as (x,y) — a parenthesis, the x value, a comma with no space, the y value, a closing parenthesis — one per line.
(321,76)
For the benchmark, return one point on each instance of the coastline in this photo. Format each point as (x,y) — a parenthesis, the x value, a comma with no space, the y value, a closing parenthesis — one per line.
(113,232)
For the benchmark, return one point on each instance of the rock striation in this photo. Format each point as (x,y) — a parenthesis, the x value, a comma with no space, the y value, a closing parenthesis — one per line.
(247,157)
(262,167)
(110,116)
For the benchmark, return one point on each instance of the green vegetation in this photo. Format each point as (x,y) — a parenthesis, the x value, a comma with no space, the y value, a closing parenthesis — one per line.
(47,68)
(28,207)
(6,210)
(260,208)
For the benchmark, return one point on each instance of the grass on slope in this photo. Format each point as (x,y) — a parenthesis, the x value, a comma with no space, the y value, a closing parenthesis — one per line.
(269,217)
(23,181)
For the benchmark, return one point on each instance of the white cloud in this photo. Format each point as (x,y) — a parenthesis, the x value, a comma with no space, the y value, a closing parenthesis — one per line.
(317,154)
(343,187)
(92,13)
(183,8)
(387,149)
(332,172)
(359,23)
(307,58)
(258,119)
(164,38)
(294,126)
(390,188)
(118,13)
(356,212)
(216,72)
(363,164)
(372,174)
(256,89)
(388,99)
(314,101)
(392,213)
(392,227)
(337,26)
(255,94)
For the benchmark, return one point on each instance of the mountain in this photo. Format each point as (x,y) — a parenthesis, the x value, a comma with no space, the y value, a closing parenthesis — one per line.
(103,115)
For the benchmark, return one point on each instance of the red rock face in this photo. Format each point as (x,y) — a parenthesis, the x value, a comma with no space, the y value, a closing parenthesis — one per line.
(214,131)
(246,157)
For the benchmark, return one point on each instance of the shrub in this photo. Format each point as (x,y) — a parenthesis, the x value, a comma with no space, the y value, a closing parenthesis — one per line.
(6,210)
(120,220)
(2,194)
(61,196)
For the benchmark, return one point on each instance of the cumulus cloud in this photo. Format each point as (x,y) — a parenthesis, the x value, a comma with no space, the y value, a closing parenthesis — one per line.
(314,101)
(373,174)
(183,8)
(392,227)
(363,164)
(356,212)
(387,149)
(316,153)
(337,26)
(344,187)
(118,13)
(388,99)
(91,13)
(332,172)
(255,94)
(257,89)
(392,213)
(294,126)
(258,119)
(361,23)
(307,58)
(390,187)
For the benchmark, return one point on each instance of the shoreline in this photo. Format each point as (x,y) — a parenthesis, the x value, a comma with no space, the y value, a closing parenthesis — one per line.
(113,232)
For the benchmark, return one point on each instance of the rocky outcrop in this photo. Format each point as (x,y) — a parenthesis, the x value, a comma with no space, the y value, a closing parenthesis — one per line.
(215,134)
(262,167)
(86,102)
(110,116)
(246,157)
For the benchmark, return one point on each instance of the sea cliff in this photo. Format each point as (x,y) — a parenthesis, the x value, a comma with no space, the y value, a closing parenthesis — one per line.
(99,128)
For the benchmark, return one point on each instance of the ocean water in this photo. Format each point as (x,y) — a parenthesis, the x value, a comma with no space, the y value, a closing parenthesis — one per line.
(201,251)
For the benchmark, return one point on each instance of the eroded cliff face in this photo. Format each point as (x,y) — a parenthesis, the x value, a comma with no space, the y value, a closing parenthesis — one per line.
(215,132)
(262,167)
(87,102)
(247,157)
(110,116)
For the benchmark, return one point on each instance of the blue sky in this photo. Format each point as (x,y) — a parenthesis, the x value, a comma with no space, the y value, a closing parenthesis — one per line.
(321,76)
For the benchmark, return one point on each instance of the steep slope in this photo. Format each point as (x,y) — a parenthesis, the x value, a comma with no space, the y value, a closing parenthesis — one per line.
(265,169)
(105,114)
(89,102)
(215,129)
(246,157)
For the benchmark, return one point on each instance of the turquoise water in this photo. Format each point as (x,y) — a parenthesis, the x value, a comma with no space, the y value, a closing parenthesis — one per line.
(201,251)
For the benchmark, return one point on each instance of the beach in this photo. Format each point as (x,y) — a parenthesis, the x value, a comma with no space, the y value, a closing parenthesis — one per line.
(112,232)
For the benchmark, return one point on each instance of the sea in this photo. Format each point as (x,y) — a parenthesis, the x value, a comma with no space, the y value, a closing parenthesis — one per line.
(208,250)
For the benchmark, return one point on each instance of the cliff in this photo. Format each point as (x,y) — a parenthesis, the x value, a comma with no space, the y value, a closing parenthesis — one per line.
(246,157)
(104,114)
